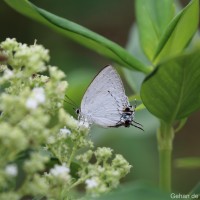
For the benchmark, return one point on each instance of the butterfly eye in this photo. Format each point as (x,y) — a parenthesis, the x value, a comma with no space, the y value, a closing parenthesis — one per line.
(77,111)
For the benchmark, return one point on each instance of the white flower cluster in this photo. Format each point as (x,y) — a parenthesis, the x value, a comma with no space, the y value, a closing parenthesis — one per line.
(20,55)
(36,98)
(91,183)
(8,74)
(64,132)
(105,174)
(11,170)
(29,104)
(60,170)
(40,139)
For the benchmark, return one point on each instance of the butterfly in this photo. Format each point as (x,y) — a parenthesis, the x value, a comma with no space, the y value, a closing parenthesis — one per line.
(105,103)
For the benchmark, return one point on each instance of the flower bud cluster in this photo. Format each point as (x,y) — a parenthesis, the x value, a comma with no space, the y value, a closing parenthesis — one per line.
(44,151)
(105,173)
(29,102)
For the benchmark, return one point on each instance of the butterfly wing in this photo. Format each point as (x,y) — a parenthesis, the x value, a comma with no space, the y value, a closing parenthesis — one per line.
(105,99)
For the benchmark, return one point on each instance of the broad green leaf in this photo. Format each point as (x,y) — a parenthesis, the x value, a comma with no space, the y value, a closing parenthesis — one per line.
(153,16)
(79,34)
(136,191)
(172,91)
(179,32)
(189,163)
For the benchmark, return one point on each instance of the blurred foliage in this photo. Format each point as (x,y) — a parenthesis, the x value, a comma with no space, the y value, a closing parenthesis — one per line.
(188,163)
(136,191)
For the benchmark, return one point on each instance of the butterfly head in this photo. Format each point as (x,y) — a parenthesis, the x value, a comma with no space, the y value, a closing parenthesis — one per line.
(77,110)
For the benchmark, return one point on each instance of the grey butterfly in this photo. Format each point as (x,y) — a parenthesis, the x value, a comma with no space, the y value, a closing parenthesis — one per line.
(105,103)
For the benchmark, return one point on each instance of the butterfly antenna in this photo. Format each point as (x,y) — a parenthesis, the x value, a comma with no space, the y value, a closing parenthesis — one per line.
(137,125)
(70,101)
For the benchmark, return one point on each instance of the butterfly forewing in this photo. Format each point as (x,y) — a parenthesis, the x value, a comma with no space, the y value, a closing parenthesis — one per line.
(105,99)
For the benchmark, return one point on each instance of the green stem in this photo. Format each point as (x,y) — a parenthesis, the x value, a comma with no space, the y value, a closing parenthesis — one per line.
(81,180)
(72,154)
(165,137)
(165,169)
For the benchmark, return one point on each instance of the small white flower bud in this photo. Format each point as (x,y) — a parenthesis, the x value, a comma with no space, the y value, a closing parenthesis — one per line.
(91,183)
(11,170)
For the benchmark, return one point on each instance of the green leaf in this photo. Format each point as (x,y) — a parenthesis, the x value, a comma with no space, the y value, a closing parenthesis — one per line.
(135,192)
(79,34)
(74,168)
(179,32)
(172,91)
(153,16)
(189,163)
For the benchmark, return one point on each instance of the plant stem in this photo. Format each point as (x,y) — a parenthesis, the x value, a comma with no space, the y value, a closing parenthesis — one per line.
(165,169)
(165,137)
(72,154)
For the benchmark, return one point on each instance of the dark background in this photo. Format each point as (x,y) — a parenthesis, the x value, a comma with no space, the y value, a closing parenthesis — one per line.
(112,19)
